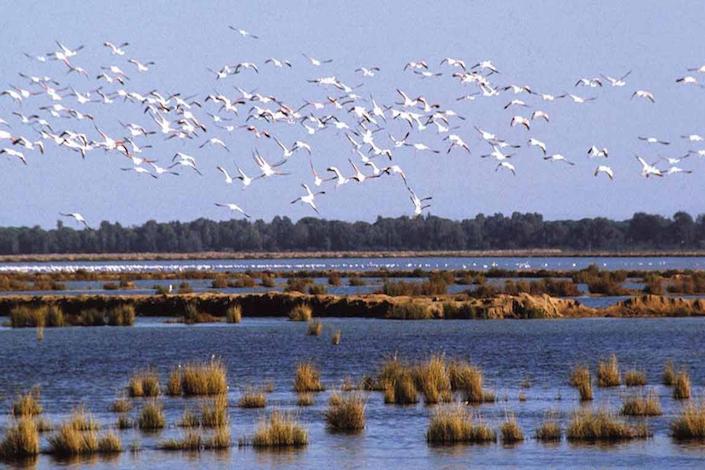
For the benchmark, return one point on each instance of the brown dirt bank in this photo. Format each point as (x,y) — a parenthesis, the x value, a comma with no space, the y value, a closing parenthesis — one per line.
(522,306)
(336,254)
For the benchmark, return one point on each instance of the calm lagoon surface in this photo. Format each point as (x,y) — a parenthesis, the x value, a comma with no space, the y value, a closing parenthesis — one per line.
(92,365)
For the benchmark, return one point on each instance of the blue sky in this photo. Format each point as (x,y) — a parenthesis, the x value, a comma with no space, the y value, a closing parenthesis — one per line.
(545,44)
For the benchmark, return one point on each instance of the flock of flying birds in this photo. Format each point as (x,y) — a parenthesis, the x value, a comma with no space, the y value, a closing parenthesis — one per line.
(62,117)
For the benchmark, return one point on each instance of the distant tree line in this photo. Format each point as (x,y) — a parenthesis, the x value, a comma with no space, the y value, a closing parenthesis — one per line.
(518,231)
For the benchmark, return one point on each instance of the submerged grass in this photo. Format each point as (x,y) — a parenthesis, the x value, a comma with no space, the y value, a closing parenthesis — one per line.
(21,440)
(669,374)
(252,398)
(203,379)
(581,379)
(214,413)
(601,425)
(644,405)
(690,424)
(635,378)
(681,387)
(280,430)
(511,431)
(27,404)
(608,372)
(144,384)
(453,425)
(152,416)
(301,312)
(308,378)
(315,328)
(346,413)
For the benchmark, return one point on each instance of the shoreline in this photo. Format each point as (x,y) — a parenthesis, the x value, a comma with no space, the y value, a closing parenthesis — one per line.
(211,255)
(214,307)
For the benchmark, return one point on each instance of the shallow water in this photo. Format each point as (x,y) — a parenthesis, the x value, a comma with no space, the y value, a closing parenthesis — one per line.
(366,264)
(92,365)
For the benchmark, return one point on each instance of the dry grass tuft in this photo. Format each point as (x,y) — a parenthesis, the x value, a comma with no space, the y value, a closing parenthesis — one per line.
(189,419)
(307,379)
(252,398)
(191,441)
(315,328)
(645,405)
(402,390)
(152,416)
(581,379)
(608,372)
(669,374)
(635,378)
(510,431)
(221,439)
(21,440)
(121,405)
(589,425)
(173,387)
(144,384)
(214,413)
(69,441)
(301,312)
(433,380)
(233,314)
(280,430)
(305,399)
(346,413)
(81,420)
(109,444)
(549,430)
(124,422)
(335,339)
(690,424)
(681,387)
(202,379)
(451,425)
(27,404)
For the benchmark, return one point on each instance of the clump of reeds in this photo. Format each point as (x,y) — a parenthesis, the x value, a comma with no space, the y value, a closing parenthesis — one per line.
(233,314)
(608,372)
(644,405)
(433,380)
(511,431)
(121,315)
(681,387)
(302,312)
(411,311)
(346,413)
(252,398)
(173,386)
(191,441)
(335,339)
(109,444)
(305,399)
(27,404)
(144,384)
(121,405)
(214,413)
(70,441)
(315,328)
(451,425)
(317,289)
(669,374)
(690,424)
(220,439)
(589,425)
(43,424)
(21,440)
(581,379)
(189,419)
(208,378)
(124,422)
(549,430)
(152,416)
(81,420)
(268,281)
(308,378)
(280,430)
(468,380)
(401,390)
(334,279)
(356,281)
(634,378)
